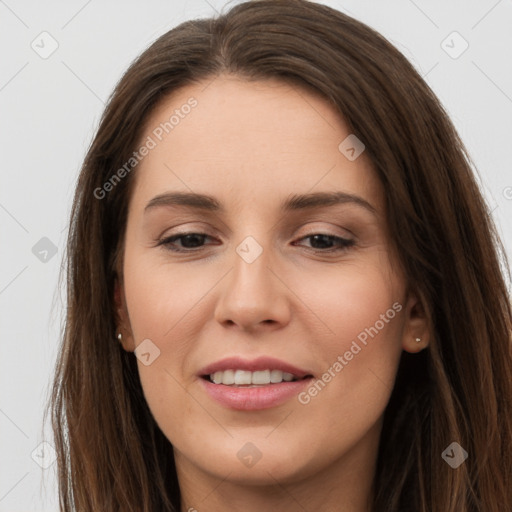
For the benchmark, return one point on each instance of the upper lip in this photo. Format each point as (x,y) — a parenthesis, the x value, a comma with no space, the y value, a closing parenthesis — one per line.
(253,365)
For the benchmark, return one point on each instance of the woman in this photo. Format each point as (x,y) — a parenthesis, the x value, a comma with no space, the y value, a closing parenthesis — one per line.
(284,286)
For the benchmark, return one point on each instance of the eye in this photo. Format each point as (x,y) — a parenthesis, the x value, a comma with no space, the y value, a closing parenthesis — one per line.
(320,242)
(189,241)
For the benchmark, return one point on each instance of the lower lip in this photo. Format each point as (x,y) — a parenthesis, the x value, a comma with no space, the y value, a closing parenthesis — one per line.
(254,398)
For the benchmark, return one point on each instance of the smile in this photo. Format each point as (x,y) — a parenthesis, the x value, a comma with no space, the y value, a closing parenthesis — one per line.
(248,378)
(250,385)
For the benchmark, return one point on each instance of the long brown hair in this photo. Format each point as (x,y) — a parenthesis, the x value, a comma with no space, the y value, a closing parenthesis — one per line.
(111,454)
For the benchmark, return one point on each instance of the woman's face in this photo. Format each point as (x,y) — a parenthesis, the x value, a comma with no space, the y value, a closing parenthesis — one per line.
(277,279)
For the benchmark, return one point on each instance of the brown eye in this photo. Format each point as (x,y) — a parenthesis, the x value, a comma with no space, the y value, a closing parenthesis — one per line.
(323,242)
(189,241)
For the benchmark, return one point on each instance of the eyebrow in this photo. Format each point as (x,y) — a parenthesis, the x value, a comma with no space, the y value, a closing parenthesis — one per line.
(295,202)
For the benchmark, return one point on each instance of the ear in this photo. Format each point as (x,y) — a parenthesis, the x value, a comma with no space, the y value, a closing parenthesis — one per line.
(122,319)
(416,324)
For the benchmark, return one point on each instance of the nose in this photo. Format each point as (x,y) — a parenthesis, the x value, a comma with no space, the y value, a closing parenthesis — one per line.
(253,297)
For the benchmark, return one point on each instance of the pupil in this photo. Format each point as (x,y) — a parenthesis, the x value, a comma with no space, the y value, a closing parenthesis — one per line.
(320,237)
(198,238)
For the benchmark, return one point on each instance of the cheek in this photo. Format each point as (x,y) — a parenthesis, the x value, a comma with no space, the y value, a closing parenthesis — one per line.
(361,347)
(161,304)
(356,304)
(161,298)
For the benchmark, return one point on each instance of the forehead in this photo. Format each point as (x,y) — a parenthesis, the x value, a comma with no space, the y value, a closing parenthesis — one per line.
(246,139)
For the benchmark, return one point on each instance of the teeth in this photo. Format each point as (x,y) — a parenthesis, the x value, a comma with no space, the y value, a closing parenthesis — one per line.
(228,377)
(276,376)
(246,378)
(241,377)
(261,377)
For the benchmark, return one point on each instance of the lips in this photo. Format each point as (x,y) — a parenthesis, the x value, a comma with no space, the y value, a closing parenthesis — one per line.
(244,385)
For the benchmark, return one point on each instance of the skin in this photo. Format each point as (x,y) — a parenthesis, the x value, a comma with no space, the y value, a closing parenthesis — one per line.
(251,145)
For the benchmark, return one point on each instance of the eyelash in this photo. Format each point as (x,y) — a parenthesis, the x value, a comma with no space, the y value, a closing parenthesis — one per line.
(345,243)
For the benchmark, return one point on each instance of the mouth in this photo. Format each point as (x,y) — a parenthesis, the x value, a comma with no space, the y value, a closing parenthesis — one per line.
(251,385)
(238,378)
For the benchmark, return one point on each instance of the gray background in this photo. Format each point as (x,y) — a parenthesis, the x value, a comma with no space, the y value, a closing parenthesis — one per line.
(50,108)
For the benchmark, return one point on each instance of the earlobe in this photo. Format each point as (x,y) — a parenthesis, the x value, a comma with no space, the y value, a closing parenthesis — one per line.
(416,333)
(123,332)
